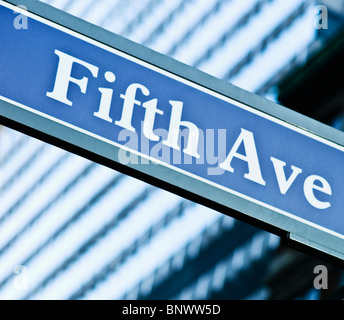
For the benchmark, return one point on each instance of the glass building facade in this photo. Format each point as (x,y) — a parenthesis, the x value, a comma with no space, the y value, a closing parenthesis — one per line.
(73,229)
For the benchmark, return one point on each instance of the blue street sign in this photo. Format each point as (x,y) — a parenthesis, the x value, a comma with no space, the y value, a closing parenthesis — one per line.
(97,91)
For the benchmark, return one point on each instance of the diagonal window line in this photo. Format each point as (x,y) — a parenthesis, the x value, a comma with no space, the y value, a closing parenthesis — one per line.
(291,65)
(138,19)
(203,19)
(203,241)
(231,32)
(13,150)
(25,166)
(165,23)
(262,46)
(78,214)
(132,249)
(230,274)
(22,199)
(95,238)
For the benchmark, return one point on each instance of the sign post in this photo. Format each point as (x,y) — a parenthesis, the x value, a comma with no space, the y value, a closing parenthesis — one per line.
(99,95)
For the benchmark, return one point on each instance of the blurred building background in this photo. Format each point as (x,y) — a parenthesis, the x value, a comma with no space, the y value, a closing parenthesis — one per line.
(73,229)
